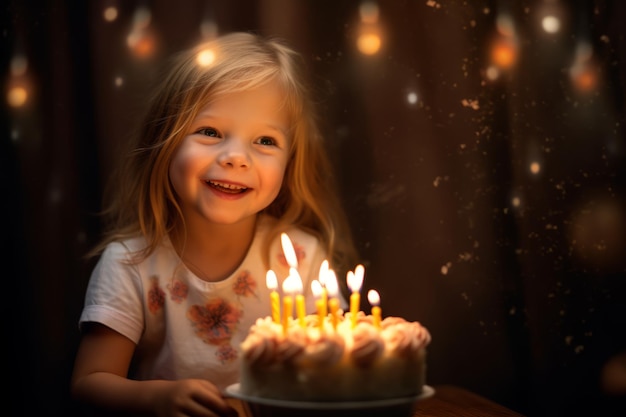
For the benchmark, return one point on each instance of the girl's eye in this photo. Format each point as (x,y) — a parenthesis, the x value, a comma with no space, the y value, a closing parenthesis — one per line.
(266,140)
(209,131)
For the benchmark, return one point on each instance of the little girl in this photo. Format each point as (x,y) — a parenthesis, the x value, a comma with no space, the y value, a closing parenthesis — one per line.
(228,158)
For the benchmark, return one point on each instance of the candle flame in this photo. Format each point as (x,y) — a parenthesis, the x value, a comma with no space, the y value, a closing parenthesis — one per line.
(331,284)
(316,288)
(288,250)
(373,297)
(355,279)
(270,280)
(293,283)
(323,272)
(297,281)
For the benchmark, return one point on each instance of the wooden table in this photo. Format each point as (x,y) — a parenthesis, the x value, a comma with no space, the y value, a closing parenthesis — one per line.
(454,401)
(448,401)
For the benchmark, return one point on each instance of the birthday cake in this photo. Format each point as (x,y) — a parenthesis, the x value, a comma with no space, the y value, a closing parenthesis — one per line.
(336,357)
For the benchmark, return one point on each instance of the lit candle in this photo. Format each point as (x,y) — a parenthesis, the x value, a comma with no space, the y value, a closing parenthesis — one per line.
(289,251)
(297,283)
(374,299)
(316,289)
(272,283)
(355,280)
(288,289)
(323,275)
(333,302)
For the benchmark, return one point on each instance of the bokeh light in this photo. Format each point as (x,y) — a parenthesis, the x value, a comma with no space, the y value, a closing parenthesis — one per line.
(504,53)
(205,57)
(17,96)
(369,43)
(551,24)
(535,167)
(110,14)
(141,40)
(369,39)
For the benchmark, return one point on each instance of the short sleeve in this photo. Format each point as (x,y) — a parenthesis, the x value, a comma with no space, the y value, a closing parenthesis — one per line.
(114,294)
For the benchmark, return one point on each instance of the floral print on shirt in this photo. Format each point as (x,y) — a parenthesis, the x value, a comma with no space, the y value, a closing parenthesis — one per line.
(178,290)
(245,285)
(156,295)
(226,353)
(216,321)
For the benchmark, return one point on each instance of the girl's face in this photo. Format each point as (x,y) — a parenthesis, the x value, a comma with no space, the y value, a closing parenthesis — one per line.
(231,164)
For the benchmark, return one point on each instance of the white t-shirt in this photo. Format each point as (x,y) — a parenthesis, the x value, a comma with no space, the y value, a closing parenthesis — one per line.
(185,327)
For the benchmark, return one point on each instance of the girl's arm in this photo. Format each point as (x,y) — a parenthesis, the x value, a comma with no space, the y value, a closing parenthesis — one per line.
(100,379)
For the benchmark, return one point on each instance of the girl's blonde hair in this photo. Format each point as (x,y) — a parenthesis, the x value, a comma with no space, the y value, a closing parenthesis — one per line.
(143,200)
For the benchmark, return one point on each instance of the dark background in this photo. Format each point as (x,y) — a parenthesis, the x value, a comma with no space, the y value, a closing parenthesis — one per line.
(519,274)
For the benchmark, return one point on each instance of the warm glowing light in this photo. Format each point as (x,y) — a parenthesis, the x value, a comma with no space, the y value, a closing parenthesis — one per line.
(551,24)
(119,81)
(373,297)
(17,96)
(141,43)
(205,57)
(515,201)
(504,53)
(331,284)
(320,302)
(411,98)
(355,279)
(535,167)
(333,302)
(324,268)
(374,300)
(293,285)
(140,40)
(369,43)
(270,280)
(584,80)
(316,288)
(492,73)
(296,281)
(110,14)
(272,283)
(289,251)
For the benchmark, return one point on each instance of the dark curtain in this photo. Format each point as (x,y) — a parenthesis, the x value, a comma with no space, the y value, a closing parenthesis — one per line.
(488,206)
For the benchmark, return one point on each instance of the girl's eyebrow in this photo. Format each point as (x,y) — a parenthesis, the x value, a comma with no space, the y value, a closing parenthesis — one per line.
(277,128)
(202,116)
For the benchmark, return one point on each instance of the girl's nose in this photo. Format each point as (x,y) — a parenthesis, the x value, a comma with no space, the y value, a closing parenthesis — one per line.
(234,155)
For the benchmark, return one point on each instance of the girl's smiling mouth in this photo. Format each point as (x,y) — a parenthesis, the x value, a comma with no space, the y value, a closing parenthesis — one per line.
(226,187)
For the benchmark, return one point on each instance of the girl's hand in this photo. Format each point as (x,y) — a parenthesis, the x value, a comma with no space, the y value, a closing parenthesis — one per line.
(100,380)
(191,397)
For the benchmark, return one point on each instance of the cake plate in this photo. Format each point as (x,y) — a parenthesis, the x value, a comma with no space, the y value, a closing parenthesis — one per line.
(268,407)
